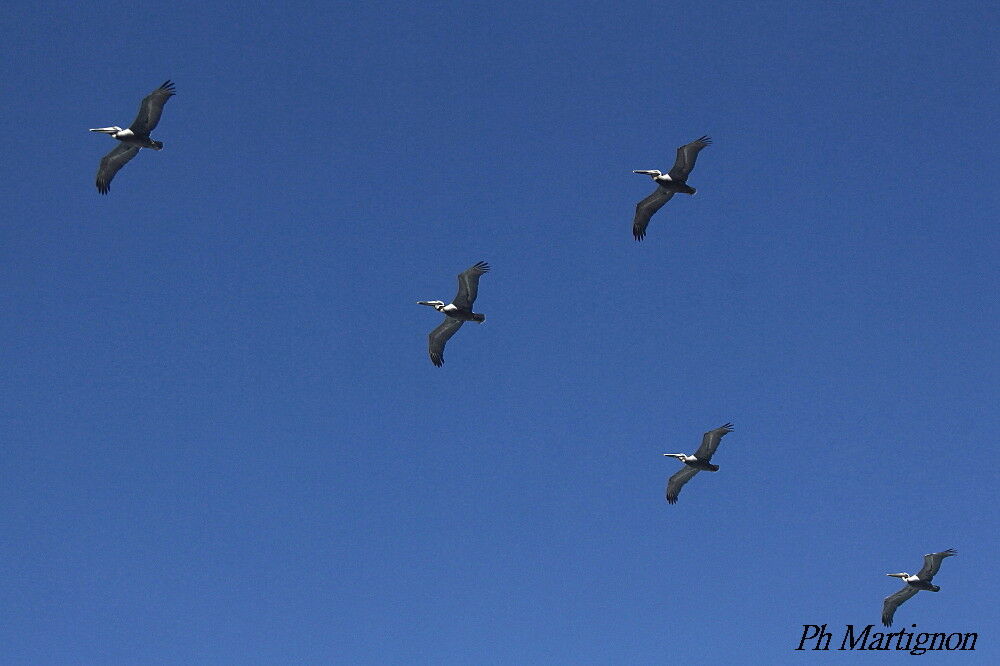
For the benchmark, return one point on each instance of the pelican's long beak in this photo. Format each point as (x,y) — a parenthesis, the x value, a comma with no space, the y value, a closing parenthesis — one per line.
(899,575)
(645,173)
(426,303)
(106,130)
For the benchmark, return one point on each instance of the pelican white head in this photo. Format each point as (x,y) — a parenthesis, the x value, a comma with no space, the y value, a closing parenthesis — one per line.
(654,174)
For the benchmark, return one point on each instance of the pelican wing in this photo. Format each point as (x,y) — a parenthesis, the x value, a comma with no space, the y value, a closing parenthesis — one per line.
(111,163)
(468,285)
(710,442)
(686,155)
(151,108)
(892,602)
(645,209)
(439,336)
(932,562)
(677,481)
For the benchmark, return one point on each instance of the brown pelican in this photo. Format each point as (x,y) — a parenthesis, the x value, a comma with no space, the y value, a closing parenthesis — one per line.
(921,581)
(667,185)
(133,138)
(457,312)
(699,461)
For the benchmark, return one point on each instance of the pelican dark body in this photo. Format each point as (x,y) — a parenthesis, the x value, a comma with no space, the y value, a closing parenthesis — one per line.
(667,185)
(135,137)
(914,583)
(696,463)
(457,312)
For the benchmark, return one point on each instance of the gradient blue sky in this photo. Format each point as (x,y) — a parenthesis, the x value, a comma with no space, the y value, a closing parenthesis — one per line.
(223,441)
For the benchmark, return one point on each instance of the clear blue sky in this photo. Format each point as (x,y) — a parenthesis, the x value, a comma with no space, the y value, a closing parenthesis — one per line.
(223,441)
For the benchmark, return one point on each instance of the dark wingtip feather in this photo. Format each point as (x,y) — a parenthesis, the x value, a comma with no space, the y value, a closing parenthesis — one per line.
(707,140)
(638,233)
(671,500)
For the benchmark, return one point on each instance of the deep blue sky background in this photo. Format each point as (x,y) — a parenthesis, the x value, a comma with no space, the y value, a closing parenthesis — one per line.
(223,441)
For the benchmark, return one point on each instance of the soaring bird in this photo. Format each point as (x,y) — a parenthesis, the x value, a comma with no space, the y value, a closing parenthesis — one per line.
(133,138)
(667,184)
(457,312)
(699,461)
(921,581)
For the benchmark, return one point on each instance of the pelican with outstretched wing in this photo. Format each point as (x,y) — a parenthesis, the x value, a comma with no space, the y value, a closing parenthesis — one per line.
(696,463)
(133,138)
(914,583)
(667,185)
(457,312)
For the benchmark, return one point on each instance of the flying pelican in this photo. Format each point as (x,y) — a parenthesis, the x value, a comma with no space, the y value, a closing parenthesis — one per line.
(921,581)
(457,312)
(699,461)
(133,138)
(667,185)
